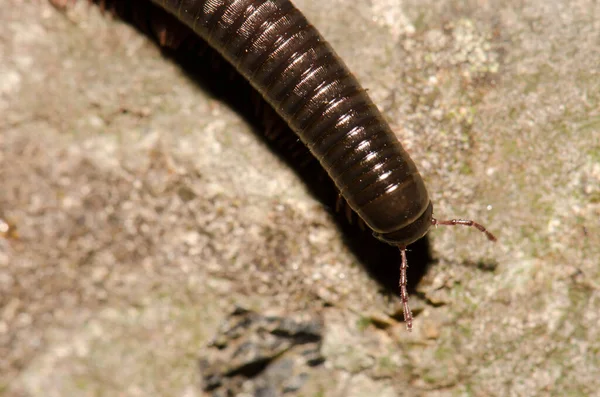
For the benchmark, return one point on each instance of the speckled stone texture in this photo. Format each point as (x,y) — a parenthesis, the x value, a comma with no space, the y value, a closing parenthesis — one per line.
(137,209)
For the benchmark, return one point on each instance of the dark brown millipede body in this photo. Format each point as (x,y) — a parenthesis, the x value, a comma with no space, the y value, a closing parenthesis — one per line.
(297,72)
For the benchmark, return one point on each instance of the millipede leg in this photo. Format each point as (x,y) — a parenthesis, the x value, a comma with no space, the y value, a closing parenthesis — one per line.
(349,213)
(361,224)
(339,202)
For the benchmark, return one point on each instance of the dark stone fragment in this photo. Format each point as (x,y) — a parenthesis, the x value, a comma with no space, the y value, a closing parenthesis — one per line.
(266,356)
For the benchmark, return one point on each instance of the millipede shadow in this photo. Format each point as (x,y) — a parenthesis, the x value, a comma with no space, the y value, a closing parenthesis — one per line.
(213,74)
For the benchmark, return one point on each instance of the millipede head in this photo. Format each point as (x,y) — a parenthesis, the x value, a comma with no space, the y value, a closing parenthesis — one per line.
(408,317)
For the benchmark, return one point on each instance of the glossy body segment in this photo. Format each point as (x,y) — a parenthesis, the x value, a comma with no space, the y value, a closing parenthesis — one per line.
(297,72)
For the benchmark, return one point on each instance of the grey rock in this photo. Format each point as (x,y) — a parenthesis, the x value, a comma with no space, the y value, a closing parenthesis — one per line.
(145,207)
(262,355)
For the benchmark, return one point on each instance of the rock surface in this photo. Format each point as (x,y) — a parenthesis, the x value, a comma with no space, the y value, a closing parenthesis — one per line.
(136,209)
(262,355)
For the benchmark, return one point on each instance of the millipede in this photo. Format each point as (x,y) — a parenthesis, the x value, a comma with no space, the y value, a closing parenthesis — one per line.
(294,69)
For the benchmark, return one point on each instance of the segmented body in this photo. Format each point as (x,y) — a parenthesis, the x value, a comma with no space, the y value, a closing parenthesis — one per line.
(299,75)
(297,72)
